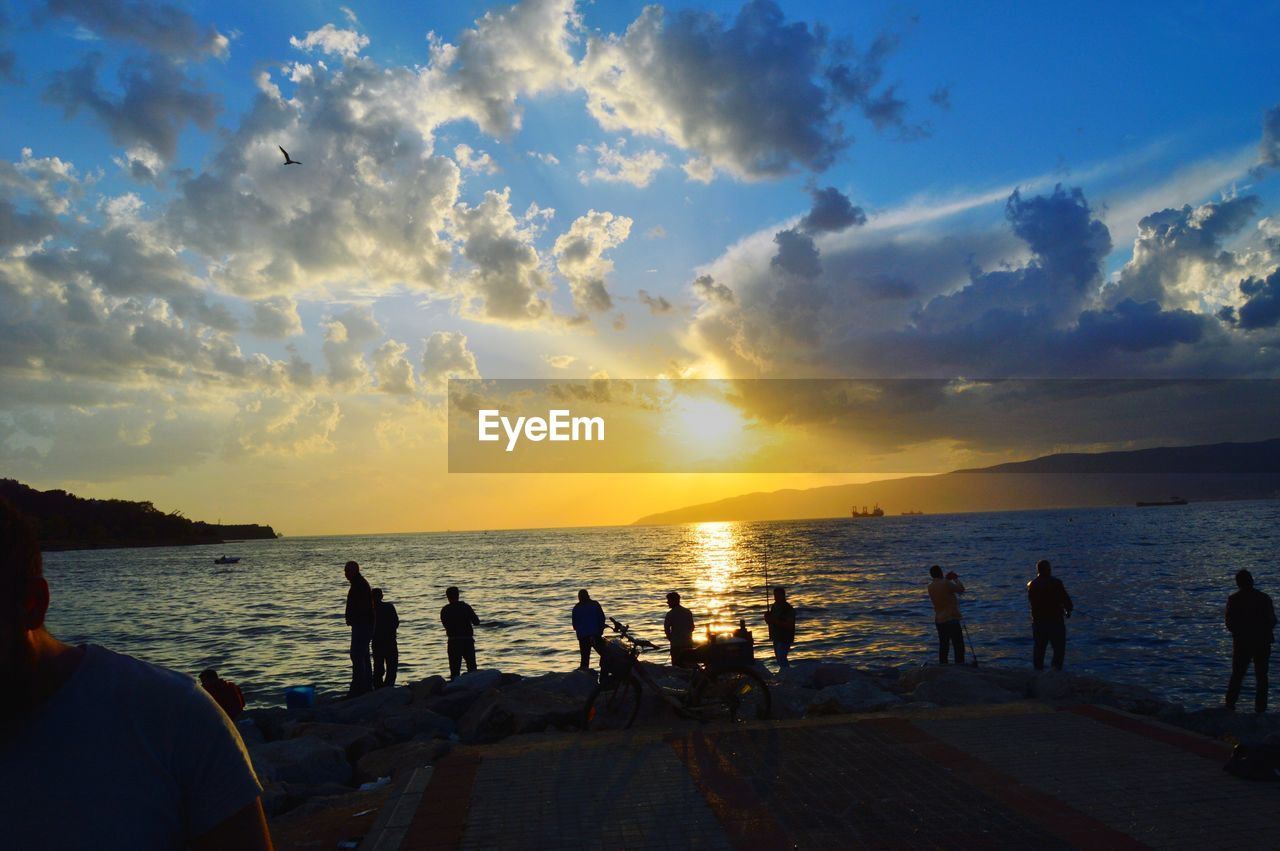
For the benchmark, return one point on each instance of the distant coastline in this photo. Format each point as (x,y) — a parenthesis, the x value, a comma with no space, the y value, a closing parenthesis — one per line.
(64,521)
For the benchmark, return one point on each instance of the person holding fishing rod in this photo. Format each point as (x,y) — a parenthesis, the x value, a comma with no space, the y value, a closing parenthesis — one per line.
(781,618)
(943,593)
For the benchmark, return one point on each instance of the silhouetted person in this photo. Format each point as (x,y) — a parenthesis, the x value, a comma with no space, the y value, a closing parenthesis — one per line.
(98,749)
(588,624)
(1251,618)
(360,619)
(459,621)
(678,627)
(226,693)
(781,618)
(386,653)
(1049,605)
(943,593)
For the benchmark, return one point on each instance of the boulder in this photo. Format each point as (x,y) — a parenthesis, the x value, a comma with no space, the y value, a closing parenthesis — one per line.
(406,756)
(366,706)
(271,722)
(790,701)
(859,694)
(961,685)
(825,675)
(530,706)
(280,798)
(426,687)
(800,674)
(452,705)
(302,760)
(355,740)
(1060,687)
(475,682)
(249,731)
(415,721)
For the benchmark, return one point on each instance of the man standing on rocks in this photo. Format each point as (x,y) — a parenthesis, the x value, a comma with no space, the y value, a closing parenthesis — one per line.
(943,593)
(386,652)
(98,749)
(1251,618)
(459,621)
(781,619)
(588,624)
(1049,604)
(678,627)
(360,619)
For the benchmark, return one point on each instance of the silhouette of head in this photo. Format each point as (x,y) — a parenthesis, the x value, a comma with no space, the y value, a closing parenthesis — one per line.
(780,594)
(452,593)
(24,600)
(352,570)
(673,599)
(208,675)
(1042,567)
(936,571)
(1244,579)
(583,596)
(377,595)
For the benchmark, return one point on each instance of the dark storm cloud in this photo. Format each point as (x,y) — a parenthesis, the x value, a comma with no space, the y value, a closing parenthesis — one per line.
(832,212)
(161,27)
(158,101)
(1269,147)
(797,255)
(1134,327)
(758,95)
(1262,310)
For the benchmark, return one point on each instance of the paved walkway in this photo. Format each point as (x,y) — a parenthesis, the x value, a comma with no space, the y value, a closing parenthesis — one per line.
(1021,775)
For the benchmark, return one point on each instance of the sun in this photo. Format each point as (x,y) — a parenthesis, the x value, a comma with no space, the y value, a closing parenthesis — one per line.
(705,428)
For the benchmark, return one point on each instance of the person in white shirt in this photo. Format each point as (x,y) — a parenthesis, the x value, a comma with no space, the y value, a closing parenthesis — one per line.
(100,750)
(946,613)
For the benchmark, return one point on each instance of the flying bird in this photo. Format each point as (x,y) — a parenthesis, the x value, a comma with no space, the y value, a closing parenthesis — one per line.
(287,159)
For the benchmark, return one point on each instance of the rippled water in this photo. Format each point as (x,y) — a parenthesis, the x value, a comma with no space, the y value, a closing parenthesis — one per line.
(1149,587)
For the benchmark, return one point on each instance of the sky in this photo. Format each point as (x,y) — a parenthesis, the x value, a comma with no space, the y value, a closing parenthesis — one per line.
(559,190)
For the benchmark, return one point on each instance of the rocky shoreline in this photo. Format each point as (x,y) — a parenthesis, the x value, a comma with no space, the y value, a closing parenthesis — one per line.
(317,759)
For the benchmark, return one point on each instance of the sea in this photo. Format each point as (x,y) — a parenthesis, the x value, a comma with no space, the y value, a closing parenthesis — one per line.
(1149,586)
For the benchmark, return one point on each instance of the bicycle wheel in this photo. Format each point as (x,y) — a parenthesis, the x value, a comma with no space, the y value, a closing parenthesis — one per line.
(612,707)
(744,695)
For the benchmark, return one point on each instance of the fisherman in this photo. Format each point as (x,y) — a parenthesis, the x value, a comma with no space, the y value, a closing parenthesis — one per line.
(1251,619)
(678,627)
(588,624)
(360,618)
(224,692)
(943,593)
(459,621)
(1049,604)
(386,653)
(781,618)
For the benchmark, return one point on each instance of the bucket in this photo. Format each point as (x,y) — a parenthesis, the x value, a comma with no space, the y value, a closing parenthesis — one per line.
(300,697)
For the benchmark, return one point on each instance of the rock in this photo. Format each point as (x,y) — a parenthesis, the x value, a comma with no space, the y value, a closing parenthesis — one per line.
(390,762)
(355,740)
(280,798)
(1243,725)
(415,721)
(532,705)
(302,760)
(364,707)
(832,675)
(856,695)
(475,682)
(426,687)
(453,705)
(961,685)
(249,731)
(271,722)
(1061,687)
(800,674)
(790,701)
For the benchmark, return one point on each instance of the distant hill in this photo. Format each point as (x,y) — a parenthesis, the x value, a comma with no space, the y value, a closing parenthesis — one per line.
(65,521)
(1219,471)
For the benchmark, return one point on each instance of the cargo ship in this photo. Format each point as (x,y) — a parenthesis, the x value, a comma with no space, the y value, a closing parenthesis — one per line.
(877,511)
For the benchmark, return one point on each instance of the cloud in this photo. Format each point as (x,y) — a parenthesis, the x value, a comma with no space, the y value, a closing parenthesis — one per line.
(141,163)
(506,282)
(614,166)
(544,158)
(941,98)
(656,232)
(756,97)
(579,254)
(392,370)
(706,288)
(832,212)
(446,356)
(657,305)
(1269,146)
(559,361)
(159,99)
(332,41)
(275,317)
(1262,308)
(346,336)
(476,162)
(161,27)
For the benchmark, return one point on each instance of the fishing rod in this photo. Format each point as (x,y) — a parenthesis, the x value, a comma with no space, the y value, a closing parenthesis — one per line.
(974,653)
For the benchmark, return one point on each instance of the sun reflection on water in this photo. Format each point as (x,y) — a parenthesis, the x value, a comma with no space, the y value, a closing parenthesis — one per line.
(718,551)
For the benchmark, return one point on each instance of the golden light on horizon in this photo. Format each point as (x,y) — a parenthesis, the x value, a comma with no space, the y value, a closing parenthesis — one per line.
(706,428)
(717,552)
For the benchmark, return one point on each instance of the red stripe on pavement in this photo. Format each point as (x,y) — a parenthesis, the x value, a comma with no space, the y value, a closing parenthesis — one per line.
(745,817)
(1207,748)
(441,819)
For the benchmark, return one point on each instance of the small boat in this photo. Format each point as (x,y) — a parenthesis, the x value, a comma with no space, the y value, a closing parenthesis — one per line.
(875,512)
(226,560)
(912,513)
(1173,500)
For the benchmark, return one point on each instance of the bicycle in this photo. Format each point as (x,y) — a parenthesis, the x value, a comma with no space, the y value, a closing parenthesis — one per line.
(715,686)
